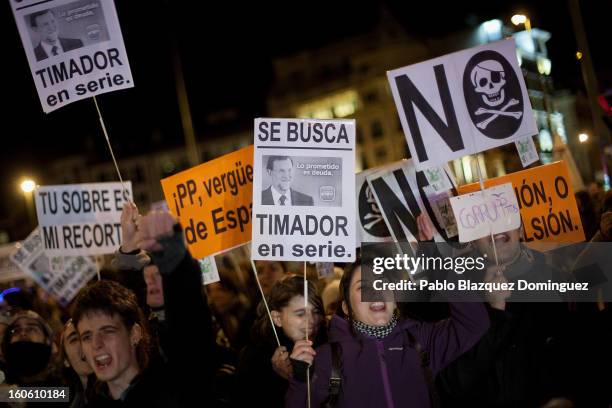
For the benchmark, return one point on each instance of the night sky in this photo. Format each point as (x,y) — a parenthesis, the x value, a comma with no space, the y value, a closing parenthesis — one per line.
(227,51)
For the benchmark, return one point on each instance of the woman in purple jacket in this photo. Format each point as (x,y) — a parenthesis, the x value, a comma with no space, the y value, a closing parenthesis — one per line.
(382,361)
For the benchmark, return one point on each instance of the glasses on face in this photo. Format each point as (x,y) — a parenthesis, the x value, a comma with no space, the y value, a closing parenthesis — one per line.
(28,329)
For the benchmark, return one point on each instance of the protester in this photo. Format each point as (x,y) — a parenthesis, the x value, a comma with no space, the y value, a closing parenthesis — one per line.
(270,272)
(378,356)
(76,370)
(115,338)
(29,352)
(522,360)
(264,365)
(588,216)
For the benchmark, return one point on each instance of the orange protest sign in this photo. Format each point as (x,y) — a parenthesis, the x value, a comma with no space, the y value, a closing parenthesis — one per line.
(213,202)
(546,201)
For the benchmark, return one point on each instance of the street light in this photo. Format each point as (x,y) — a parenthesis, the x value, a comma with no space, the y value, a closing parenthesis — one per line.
(27,185)
(519,19)
(583,137)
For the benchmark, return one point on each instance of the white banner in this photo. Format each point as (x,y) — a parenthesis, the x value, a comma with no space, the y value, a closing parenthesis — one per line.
(74,48)
(61,277)
(371,225)
(81,219)
(304,190)
(491,211)
(462,103)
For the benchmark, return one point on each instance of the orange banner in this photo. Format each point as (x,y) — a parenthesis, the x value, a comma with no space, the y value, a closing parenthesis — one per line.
(546,200)
(213,202)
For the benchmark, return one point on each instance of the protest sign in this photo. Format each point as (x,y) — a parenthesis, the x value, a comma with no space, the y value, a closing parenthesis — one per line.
(401,197)
(371,225)
(210,273)
(81,219)
(546,202)
(482,213)
(462,103)
(64,280)
(304,190)
(74,48)
(8,270)
(325,269)
(527,151)
(213,202)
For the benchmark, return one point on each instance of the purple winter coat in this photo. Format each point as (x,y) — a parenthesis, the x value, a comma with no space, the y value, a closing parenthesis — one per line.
(387,372)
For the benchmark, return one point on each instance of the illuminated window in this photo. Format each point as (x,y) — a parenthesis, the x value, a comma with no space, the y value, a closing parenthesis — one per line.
(339,105)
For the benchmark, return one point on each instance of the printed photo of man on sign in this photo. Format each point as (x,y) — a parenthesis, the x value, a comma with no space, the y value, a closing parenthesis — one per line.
(280,192)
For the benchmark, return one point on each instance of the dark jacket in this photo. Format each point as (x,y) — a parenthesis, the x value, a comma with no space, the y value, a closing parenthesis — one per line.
(297,198)
(524,358)
(387,372)
(68,44)
(255,372)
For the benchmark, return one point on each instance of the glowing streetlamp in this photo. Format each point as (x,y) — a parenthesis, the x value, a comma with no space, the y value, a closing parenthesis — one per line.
(27,186)
(583,137)
(519,19)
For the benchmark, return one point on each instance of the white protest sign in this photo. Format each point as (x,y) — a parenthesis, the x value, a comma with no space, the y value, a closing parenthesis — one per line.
(61,283)
(81,219)
(491,211)
(210,273)
(371,225)
(462,103)
(527,151)
(437,179)
(304,190)
(8,270)
(401,196)
(74,48)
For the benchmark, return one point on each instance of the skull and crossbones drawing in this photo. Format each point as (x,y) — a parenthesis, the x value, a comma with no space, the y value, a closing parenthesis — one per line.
(489,79)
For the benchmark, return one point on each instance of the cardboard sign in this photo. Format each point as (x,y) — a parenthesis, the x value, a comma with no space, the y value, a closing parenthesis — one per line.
(304,190)
(402,195)
(62,281)
(74,48)
(546,201)
(482,213)
(213,202)
(81,219)
(462,103)
(371,225)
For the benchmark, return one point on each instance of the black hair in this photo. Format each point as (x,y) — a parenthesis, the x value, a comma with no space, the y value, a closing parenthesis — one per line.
(111,298)
(272,159)
(37,14)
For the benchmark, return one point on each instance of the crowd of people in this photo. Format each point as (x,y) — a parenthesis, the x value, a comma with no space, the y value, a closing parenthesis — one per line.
(149,334)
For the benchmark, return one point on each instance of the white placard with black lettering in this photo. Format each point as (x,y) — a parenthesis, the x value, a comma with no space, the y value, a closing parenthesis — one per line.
(490,211)
(74,47)
(81,219)
(304,190)
(61,277)
(401,197)
(462,103)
